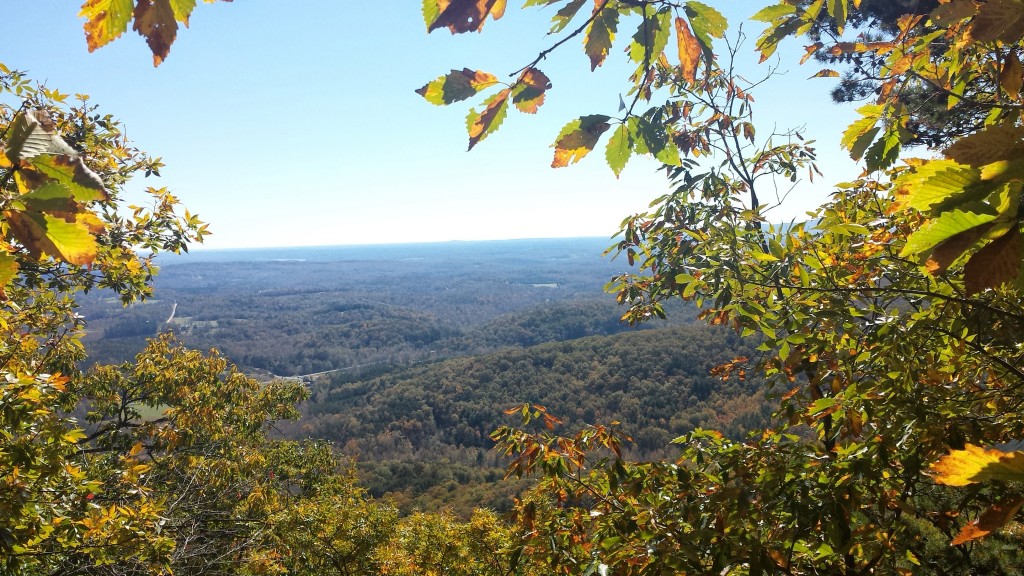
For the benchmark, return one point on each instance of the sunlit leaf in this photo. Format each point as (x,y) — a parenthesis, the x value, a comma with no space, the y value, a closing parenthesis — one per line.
(155,21)
(990,520)
(45,234)
(460,16)
(529,93)
(106,20)
(72,172)
(456,86)
(998,20)
(975,464)
(578,138)
(1011,76)
(32,134)
(600,34)
(619,149)
(689,51)
(482,124)
(992,144)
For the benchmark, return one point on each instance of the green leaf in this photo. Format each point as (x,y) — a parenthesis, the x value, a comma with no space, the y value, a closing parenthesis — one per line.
(529,92)
(182,9)
(947,225)
(480,125)
(42,233)
(84,184)
(562,18)
(706,22)
(32,134)
(8,269)
(600,35)
(771,13)
(105,20)
(651,37)
(578,138)
(619,149)
(456,86)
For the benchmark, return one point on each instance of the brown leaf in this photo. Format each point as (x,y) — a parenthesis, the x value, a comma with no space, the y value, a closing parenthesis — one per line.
(460,16)
(995,143)
(995,264)
(1011,76)
(154,21)
(529,93)
(943,256)
(689,51)
(990,520)
(998,20)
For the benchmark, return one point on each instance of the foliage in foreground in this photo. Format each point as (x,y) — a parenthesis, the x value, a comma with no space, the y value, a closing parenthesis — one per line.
(892,326)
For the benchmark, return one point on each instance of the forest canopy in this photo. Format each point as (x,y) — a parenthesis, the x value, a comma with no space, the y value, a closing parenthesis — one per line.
(890,325)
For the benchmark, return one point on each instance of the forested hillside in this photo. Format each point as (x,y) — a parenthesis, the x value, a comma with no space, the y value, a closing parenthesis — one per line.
(418,433)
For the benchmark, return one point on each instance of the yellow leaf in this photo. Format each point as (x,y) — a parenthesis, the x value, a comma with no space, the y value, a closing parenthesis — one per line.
(689,51)
(976,464)
(1011,76)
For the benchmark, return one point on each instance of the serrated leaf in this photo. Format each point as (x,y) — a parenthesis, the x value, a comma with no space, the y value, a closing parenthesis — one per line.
(946,226)
(825,73)
(182,9)
(838,10)
(529,93)
(869,117)
(155,21)
(990,520)
(578,138)
(947,14)
(998,20)
(707,22)
(950,250)
(8,269)
(934,184)
(619,149)
(460,16)
(689,51)
(600,35)
(996,264)
(771,13)
(84,184)
(32,134)
(994,143)
(482,124)
(105,21)
(651,37)
(885,151)
(565,15)
(41,233)
(456,86)
(975,464)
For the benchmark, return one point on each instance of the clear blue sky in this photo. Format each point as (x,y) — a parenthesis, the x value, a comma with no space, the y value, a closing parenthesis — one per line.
(295,123)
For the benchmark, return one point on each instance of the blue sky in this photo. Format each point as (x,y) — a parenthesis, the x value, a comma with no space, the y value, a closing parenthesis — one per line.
(290,124)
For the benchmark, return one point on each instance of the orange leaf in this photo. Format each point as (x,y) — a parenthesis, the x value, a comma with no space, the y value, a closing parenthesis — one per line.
(990,520)
(975,464)
(689,51)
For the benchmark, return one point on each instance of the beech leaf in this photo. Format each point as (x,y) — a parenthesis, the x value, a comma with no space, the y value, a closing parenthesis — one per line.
(975,464)
(44,234)
(994,143)
(996,264)
(155,21)
(32,134)
(578,138)
(106,20)
(600,35)
(460,16)
(456,86)
(619,149)
(689,51)
(71,171)
(946,226)
(482,124)
(529,93)
(990,520)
